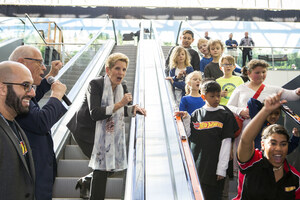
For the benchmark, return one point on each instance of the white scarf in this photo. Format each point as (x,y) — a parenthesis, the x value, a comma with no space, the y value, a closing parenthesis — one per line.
(109,151)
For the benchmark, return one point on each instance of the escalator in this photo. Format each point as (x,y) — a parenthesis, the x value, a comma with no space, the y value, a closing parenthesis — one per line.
(157,168)
(73,164)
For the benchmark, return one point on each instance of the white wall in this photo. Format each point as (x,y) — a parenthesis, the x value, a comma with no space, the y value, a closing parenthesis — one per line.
(280,78)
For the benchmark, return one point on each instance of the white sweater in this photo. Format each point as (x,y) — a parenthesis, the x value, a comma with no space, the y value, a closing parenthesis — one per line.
(241,95)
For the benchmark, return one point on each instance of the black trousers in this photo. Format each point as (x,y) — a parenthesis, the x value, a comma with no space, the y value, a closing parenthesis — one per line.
(211,192)
(98,186)
(246,53)
(86,148)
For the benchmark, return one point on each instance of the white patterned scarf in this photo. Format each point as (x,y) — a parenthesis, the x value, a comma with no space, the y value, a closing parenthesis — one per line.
(109,151)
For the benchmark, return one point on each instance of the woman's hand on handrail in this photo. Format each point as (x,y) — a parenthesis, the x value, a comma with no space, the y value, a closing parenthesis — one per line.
(138,110)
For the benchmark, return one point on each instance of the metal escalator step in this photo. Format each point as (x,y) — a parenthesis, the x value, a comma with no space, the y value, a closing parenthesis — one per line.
(74,152)
(114,188)
(73,168)
(65,188)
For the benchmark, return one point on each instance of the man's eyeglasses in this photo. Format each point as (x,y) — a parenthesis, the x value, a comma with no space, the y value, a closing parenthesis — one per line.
(41,62)
(27,87)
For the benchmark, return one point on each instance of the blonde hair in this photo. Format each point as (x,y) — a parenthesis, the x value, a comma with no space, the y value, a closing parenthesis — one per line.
(215,42)
(175,53)
(201,41)
(188,80)
(229,59)
(114,58)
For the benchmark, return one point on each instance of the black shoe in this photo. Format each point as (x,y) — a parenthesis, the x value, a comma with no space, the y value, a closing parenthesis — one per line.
(84,185)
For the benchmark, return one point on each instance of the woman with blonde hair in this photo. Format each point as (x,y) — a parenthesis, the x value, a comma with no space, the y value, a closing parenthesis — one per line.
(98,126)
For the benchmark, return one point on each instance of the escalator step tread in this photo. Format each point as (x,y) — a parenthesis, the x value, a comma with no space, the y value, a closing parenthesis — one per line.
(74,152)
(65,188)
(73,168)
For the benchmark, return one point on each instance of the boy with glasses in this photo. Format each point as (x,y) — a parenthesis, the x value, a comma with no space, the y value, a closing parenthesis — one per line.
(228,82)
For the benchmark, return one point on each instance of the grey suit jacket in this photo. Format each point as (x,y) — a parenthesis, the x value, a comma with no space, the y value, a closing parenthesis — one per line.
(18,177)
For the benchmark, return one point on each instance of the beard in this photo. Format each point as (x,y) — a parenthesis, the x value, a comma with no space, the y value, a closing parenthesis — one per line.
(14,102)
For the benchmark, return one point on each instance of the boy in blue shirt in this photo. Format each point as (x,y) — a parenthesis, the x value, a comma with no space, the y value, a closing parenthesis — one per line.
(202,46)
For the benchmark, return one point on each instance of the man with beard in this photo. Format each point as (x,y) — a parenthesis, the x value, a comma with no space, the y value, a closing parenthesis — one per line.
(38,122)
(16,160)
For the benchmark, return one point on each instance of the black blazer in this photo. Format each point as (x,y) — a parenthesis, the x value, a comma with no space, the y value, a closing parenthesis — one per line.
(83,123)
(18,176)
(37,125)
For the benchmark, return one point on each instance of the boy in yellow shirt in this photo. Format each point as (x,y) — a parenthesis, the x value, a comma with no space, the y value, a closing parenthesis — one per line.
(228,82)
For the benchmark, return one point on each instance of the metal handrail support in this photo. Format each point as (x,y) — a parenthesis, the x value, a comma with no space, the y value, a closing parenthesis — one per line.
(178,33)
(81,51)
(115,34)
(27,16)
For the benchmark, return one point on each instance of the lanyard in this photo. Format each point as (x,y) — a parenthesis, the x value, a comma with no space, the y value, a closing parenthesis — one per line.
(20,140)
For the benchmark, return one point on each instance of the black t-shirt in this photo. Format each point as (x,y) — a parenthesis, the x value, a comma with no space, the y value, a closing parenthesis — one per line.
(257,180)
(208,129)
(212,70)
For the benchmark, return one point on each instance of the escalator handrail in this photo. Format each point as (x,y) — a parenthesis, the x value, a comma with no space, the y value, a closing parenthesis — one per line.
(136,184)
(76,95)
(190,164)
(135,170)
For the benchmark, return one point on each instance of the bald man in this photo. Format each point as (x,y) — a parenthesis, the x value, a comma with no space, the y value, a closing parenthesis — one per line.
(16,160)
(38,122)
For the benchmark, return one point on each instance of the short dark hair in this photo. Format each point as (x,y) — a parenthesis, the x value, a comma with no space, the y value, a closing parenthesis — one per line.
(274,128)
(209,85)
(188,32)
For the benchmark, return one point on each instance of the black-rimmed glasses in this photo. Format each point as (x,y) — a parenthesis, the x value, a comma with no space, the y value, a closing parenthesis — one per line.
(27,87)
(41,62)
(227,65)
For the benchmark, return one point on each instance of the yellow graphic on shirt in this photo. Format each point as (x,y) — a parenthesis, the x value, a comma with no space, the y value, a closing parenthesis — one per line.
(291,188)
(23,147)
(207,125)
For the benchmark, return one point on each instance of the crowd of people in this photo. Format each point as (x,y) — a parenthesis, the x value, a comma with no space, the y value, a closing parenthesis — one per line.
(27,158)
(220,110)
(211,99)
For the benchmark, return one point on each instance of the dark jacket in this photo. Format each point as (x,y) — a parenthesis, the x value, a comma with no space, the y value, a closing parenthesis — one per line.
(37,125)
(82,124)
(17,175)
